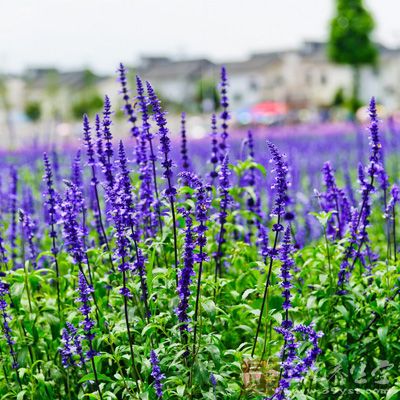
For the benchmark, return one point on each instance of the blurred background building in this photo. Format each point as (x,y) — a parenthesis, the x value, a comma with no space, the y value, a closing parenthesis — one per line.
(315,81)
(265,86)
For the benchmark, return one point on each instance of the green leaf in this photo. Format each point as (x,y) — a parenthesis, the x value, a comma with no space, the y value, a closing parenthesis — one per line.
(365,394)
(392,393)
(17,289)
(323,217)
(342,309)
(90,377)
(180,390)
(21,395)
(277,317)
(209,307)
(247,292)
(382,334)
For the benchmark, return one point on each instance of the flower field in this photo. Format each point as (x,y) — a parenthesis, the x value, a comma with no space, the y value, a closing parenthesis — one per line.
(248,265)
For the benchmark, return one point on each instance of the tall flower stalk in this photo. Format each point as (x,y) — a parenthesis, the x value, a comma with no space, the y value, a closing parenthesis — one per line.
(71,347)
(225,201)
(156,373)
(51,203)
(165,148)
(85,291)
(225,117)
(149,137)
(331,200)
(214,149)
(13,193)
(90,152)
(27,228)
(184,149)
(201,210)
(367,188)
(186,273)
(122,215)
(281,198)
(148,207)
(293,366)
(127,107)
(128,214)
(105,145)
(7,332)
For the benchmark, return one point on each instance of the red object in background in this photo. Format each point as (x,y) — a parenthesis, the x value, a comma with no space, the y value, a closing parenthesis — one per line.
(269,108)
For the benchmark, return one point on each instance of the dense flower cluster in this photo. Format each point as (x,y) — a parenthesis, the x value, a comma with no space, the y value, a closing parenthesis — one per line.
(235,214)
(295,366)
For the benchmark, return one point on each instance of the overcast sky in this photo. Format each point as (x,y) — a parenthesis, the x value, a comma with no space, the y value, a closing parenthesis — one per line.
(100,33)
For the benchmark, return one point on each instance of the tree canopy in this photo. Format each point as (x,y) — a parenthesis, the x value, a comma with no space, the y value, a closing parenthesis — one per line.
(350,35)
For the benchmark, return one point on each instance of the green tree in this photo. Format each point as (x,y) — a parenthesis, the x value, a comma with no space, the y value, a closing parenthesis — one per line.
(338,98)
(350,40)
(88,104)
(206,90)
(33,110)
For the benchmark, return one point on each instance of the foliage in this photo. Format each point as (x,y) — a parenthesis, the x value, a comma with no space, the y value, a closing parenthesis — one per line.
(86,104)
(351,29)
(350,40)
(33,110)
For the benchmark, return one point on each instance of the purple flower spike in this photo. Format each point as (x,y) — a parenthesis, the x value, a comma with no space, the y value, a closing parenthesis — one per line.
(73,233)
(214,148)
(186,273)
(87,139)
(286,276)
(28,231)
(85,292)
(156,374)
(225,117)
(184,150)
(13,196)
(71,347)
(281,184)
(165,142)
(7,332)
(127,108)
